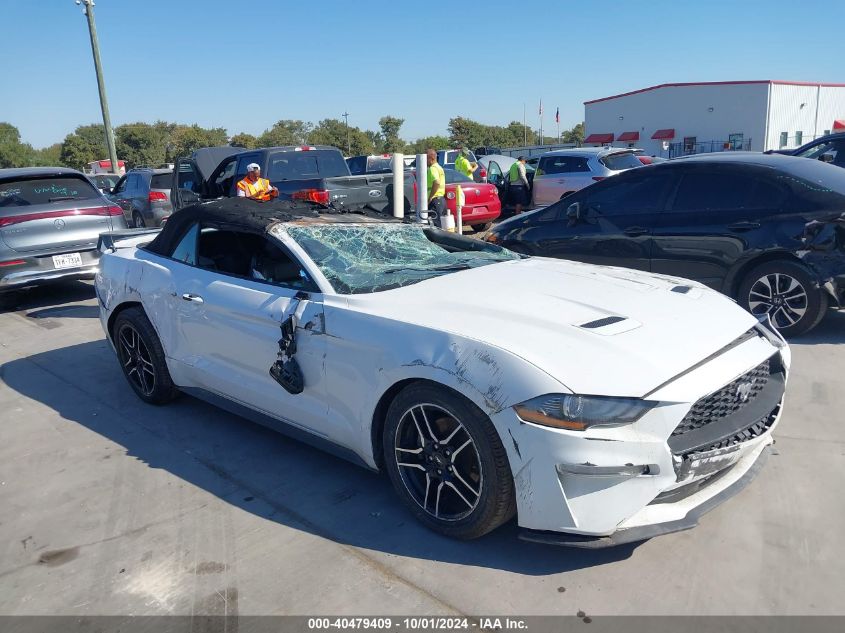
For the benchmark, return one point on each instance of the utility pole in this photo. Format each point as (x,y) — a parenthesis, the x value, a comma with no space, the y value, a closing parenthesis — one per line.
(88,10)
(524,126)
(345,116)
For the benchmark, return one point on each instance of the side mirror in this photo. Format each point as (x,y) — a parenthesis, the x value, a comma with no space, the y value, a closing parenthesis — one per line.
(573,211)
(828,157)
(107,190)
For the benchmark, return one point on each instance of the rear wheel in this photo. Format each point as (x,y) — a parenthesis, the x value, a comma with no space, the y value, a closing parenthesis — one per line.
(141,357)
(447,463)
(138,220)
(787,293)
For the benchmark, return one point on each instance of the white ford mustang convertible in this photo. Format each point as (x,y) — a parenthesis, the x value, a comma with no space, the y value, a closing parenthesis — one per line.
(598,405)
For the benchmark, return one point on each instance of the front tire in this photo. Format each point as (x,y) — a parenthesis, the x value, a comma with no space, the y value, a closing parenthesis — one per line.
(447,463)
(787,292)
(141,357)
(138,221)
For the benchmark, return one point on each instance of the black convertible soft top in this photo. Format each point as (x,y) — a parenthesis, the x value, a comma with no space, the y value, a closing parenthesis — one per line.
(249,215)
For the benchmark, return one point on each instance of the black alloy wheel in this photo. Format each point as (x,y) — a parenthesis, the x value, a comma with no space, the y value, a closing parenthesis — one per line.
(446,462)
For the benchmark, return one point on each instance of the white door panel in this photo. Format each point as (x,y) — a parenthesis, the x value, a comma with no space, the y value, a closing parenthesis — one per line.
(229,330)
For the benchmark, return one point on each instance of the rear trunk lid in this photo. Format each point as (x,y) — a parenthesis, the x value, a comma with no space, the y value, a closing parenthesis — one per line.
(53,214)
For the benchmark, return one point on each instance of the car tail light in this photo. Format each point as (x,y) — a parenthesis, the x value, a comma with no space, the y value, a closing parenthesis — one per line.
(304,148)
(482,172)
(13,262)
(597,178)
(320,196)
(157,196)
(46,215)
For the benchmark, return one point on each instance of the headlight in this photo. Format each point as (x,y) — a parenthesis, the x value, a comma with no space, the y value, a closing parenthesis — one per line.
(577,413)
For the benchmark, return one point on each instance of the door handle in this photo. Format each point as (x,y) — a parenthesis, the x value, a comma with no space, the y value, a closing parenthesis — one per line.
(635,231)
(744,225)
(192,298)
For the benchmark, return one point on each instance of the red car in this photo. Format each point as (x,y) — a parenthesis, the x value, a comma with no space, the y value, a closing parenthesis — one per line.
(481,200)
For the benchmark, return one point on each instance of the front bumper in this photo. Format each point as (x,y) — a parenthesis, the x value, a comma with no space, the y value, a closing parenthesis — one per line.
(607,486)
(645,532)
(35,271)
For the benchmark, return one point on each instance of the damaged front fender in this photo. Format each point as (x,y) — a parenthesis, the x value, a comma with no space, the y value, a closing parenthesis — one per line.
(823,252)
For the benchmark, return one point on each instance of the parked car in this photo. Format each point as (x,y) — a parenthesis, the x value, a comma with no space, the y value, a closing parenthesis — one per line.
(104,182)
(447,158)
(484,151)
(828,149)
(50,220)
(599,405)
(498,173)
(764,229)
(316,174)
(372,164)
(481,200)
(565,171)
(144,196)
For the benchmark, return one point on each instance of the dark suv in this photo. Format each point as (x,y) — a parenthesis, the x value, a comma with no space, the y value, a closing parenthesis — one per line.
(828,149)
(768,230)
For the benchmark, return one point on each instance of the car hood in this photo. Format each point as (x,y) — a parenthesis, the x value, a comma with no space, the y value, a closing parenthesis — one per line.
(596,329)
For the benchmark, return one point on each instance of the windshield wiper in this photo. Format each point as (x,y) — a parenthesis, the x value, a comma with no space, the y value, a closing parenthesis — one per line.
(58,198)
(437,269)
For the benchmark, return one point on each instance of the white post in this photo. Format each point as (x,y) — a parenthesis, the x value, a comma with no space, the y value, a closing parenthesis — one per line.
(422,187)
(398,185)
(459,209)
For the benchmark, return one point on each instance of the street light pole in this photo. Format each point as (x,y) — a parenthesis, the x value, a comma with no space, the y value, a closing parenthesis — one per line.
(345,116)
(88,10)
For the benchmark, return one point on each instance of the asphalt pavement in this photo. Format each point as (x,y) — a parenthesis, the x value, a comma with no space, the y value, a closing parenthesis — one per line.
(109,506)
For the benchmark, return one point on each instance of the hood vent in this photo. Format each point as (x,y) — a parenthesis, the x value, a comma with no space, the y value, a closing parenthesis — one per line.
(682,289)
(592,325)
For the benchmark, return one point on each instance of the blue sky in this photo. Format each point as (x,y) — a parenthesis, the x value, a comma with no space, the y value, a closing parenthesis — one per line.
(243,65)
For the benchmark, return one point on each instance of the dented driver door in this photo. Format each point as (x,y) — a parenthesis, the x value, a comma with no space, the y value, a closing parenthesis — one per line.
(231,328)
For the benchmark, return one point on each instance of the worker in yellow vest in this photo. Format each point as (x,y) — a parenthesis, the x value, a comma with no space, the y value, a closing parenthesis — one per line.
(254,187)
(518,190)
(463,164)
(436,182)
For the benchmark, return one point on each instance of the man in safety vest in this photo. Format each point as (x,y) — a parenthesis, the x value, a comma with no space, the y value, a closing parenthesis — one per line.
(463,164)
(518,193)
(436,183)
(255,187)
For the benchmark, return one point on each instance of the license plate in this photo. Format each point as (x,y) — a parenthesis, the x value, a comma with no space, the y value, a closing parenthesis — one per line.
(68,260)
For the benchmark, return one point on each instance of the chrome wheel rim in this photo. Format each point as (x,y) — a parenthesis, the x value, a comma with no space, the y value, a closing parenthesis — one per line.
(438,462)
(781,296)
(136,359)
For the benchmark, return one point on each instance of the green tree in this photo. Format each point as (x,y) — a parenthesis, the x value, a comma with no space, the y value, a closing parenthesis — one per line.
(422,144)
(142,143)
(13,153)
(85,144)
(334,132)
(575,135)
(186,138)
(285,132)
(244,140)
(50,156)
(390,127)
(467,132)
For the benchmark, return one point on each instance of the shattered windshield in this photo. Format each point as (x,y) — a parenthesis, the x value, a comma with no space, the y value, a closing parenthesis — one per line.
(361,258)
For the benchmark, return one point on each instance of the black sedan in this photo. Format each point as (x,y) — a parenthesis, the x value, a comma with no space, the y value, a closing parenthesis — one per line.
(768,230)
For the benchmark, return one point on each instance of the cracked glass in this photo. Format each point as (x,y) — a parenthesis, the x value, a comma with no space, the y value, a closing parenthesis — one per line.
(362,258)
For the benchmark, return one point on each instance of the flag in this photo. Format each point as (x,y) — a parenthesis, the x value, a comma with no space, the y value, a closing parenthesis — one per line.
(557,115)
(541,107)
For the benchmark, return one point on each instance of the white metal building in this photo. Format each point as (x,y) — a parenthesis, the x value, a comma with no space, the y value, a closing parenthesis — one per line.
(684,118)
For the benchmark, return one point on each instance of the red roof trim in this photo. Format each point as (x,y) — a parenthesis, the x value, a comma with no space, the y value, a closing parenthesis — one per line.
(839,124)
(629,136)
(599,138)
(717,83)
(662,135)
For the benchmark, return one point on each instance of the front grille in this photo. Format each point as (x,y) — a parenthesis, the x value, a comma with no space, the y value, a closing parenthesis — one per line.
(727,401)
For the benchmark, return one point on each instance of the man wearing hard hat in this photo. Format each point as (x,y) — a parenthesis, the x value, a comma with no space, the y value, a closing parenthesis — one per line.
(254,187)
